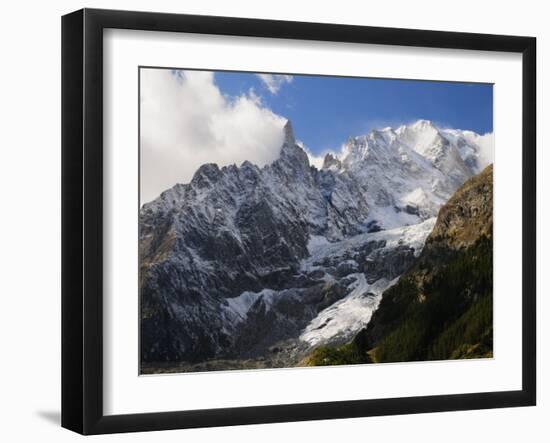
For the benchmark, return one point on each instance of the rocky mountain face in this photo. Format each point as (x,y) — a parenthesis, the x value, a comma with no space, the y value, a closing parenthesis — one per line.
(441,308)
(265,264)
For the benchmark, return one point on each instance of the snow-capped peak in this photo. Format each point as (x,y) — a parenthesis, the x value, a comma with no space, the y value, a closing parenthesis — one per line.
(409,171)
(423,124)
(423,137)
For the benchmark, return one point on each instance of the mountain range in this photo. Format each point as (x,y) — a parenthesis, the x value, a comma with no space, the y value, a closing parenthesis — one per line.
(248,267)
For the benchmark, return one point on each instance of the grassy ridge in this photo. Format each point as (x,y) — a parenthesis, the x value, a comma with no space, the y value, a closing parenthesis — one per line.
(348,354)
(452,312)
(470,336)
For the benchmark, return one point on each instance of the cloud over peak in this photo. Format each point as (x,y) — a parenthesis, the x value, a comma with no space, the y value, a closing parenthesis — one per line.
(186,121)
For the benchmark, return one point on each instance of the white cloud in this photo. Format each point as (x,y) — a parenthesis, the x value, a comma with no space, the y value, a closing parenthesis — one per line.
(273,82)
(186,121)
(487,149)
(315,160)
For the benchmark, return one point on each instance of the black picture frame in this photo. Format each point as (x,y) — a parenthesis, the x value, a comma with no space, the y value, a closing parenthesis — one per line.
(82,219)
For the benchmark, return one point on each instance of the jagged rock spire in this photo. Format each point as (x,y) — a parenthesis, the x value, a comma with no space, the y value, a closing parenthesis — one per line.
(289,134)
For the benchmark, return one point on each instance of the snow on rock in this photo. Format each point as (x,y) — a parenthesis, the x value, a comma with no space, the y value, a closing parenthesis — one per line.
(413,236)
(339,322)
(315,242)
(239,306)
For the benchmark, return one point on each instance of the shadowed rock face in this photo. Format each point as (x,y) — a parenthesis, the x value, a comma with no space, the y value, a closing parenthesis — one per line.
(222,258)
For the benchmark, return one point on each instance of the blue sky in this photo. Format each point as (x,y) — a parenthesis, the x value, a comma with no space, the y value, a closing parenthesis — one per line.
(325,111)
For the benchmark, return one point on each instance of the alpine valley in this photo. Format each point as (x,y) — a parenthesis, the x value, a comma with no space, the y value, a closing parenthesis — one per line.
(383,254)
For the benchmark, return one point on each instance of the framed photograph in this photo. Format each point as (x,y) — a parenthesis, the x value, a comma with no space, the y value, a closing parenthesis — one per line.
(269,221)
